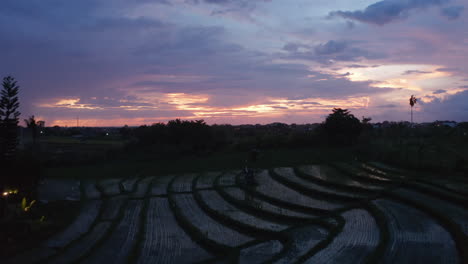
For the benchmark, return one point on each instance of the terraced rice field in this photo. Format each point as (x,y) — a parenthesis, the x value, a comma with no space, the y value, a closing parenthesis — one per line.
(280,193)
(207,180)
(243,198)
(358,239)
(261,252)
(344,213)
(289,177)
(415,237)
(332,177)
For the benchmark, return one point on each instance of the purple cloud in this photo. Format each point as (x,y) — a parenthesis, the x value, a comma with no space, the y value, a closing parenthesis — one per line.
(386,11)
(410,72)
(452,12)
(330,51)
(440,91)
(452,108)
(447,69)
(388,106)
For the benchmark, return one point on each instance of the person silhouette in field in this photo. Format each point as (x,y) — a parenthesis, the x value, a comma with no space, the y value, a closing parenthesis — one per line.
(250,172)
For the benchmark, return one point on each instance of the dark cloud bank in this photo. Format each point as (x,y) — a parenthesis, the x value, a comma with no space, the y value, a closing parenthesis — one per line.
(387,11)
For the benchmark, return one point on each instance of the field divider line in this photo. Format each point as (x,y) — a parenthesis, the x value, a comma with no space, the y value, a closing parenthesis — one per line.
(98,243)
(204,189)
(381,170)
(333,233)
(307,191)
(101,190)
(122,188)
(149,196)
(71,243)
(357,203)
(104,195)
(266,215)
(311,192)
(357,239)
(106,235)
(415,236)
(393,176)
(431,192)
(419,184)
(435,185)
(194,233)
(225,220)
(384,238)
(260,234)
(342,168)
(184,192)
(246,207)
(82,191)
(456,232)
(410,173)
(286,245)
(281,203)
(136,251)
(230,222)
(337,186)
(316,221)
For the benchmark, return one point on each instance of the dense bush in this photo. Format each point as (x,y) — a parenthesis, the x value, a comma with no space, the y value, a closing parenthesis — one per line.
(175,137)
(341,127)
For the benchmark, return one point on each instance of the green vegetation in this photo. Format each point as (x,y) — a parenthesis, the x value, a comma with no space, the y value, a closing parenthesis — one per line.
(133,166)
(29,229)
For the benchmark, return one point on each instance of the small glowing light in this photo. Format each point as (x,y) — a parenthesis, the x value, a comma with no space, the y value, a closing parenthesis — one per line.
(107,134)
(5,193)
(42,132)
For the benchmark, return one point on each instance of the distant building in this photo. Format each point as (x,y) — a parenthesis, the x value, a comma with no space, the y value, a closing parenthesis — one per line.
(445,123)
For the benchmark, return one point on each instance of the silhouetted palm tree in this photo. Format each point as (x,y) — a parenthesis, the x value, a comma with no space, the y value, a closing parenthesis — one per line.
(32,125)
(412,102)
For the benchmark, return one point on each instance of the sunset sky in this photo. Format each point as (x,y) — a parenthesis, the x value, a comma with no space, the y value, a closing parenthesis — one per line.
(134,62)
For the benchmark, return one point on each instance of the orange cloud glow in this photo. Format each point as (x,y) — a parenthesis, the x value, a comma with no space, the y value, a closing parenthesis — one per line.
(68,103)
(195,107)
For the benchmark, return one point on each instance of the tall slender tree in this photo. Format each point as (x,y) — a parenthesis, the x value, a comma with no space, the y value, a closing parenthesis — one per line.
(9,118)
(412,102)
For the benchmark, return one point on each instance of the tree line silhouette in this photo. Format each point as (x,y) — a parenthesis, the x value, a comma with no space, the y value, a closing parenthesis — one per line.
(341,128)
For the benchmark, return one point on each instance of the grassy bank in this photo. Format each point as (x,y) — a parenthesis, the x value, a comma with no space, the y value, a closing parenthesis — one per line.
(131,166)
